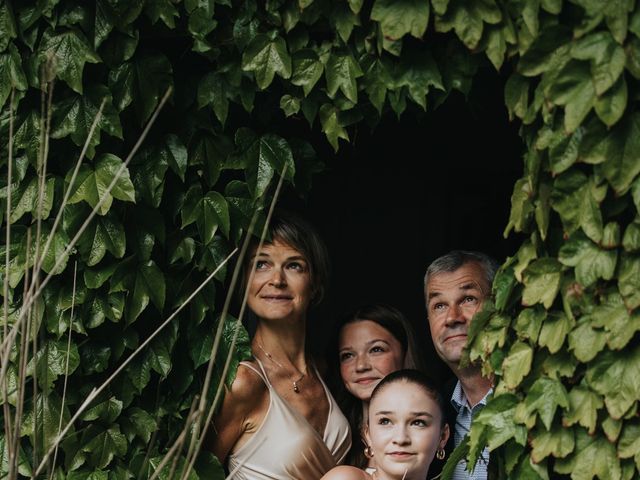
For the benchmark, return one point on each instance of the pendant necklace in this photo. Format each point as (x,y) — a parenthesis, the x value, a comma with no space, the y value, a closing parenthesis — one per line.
(296,388)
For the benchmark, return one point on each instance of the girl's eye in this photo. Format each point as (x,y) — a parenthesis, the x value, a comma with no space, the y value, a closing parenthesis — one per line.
(377,349)
(419,423)
(344,356)
(384,421)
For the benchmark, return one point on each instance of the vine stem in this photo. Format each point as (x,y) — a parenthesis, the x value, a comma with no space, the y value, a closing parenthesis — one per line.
(96,391)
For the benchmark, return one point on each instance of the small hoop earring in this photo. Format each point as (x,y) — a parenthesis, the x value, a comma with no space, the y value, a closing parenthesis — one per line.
(368,452)
(440,454)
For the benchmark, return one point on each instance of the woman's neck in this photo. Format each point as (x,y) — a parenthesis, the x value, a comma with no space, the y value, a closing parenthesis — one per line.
(285,344)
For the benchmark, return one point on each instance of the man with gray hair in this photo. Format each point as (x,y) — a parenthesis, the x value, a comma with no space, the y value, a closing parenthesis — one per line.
(456,286)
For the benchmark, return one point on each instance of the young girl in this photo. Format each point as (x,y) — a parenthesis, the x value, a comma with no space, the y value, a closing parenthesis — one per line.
(372,342)
(405,430)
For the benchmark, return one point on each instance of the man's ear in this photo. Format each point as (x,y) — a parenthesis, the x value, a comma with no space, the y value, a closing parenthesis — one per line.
(444,435)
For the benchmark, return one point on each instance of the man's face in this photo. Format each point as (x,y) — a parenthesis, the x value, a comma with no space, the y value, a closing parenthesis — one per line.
(452,300)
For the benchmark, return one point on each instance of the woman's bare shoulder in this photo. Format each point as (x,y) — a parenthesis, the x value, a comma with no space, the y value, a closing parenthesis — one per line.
(345,472)
(247,385)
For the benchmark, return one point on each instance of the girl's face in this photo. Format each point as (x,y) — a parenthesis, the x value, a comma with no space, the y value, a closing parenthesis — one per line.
(368,353)
(405,431)
(281,285)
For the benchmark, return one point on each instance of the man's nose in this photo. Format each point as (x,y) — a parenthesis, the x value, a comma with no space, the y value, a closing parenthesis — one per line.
(455,315)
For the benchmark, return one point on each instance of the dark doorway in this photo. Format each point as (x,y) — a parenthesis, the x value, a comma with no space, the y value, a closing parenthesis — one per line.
(409,191)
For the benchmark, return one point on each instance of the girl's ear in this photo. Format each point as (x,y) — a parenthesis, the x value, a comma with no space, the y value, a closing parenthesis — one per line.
(367,436)
(444,436)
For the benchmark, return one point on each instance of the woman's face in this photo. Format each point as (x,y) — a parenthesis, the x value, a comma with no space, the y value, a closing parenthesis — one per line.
(405,431)
(281,285)
(368,352)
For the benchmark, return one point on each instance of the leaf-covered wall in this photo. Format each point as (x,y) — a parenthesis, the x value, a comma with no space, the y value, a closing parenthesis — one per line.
(560,337)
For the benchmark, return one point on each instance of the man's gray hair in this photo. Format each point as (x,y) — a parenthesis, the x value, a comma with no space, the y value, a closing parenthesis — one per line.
(455,259)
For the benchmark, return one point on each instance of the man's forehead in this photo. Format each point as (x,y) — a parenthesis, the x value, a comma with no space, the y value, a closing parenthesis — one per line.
(468,277)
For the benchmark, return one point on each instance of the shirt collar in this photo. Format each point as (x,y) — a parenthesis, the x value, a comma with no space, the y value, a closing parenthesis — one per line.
(459,399)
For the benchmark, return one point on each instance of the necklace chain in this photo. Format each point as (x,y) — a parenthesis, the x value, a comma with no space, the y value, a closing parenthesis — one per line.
(296,387)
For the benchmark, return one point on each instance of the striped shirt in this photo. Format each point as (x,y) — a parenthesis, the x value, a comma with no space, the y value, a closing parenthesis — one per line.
(463,424)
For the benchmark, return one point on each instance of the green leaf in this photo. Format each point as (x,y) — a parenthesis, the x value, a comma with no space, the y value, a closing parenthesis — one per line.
(418,73)
(163,10)
(51,361)
(104,234)
(92,184)
(266,57)
(209,211)
(584,406)
(290,105)
(105,446)
(629,280)
(69,50)
(541,282)
(158,355)
(107,411)
(544,397)
(24,468)
(148,174)
(516,95)
(621,166)
(496,421)
(607,58)
(331,125)
(529,322)
(593,456)
(517,364)
(559,442)
(44,412)
(554,331)
(590,261)
(165,473)
(629,444)
(398,18)
(341,73)
(145,80)
(307,69)
(585,341)
(614,375)
(611,105)
(149,285)
(619,324)
(11,74)
(7,26)
(574,90)
(467,19)
(521,206)
(213,90)
(74,116)
(138,422)
(176,154)
(25,199)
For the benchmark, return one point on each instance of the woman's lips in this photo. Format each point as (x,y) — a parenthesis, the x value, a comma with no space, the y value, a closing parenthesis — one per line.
(400,455)
(366,380)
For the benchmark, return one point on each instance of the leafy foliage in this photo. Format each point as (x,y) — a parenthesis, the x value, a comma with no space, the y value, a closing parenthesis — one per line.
(560,337)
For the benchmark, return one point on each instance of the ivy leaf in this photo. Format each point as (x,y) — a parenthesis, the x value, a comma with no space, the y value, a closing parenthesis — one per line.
(418,73)
(517,364)
(585,341)
(51,361)
(544,397)
(584,406)
(145,79)
(213,90)
(594,456)
(629,444)
(521,206)
(554,331)
(266,57)
(590,261)
(104,234)
(621,166)
(616,320)
(107,411)
(91,184)
(629,280)
(70,50)
(331,125)
(541,282)
(44,413)
(105,446)
(398,18)
(497,422)
(529,322)
(24,468)
(166,472)
(74,116)
(611,105)
(307,69)
(138,422)
(26,199)
(148,174)
(574,90)
(614,375)
(607,58)
(163,10)
(467,19)
(341,73)
(11,74)
(209,211)
(149,285)
(559,442)
(158,355)
(7,26)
